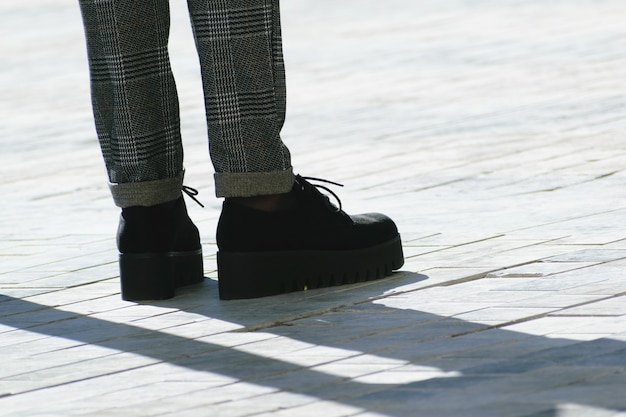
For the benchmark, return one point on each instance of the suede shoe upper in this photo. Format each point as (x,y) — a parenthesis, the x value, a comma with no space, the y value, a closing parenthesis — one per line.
(163,228)
(312,223)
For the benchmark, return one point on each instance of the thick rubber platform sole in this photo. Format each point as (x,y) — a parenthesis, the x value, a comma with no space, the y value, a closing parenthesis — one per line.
(260,274)
(155,276)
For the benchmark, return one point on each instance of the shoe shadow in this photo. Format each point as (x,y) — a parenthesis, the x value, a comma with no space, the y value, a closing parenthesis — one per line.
(346,346)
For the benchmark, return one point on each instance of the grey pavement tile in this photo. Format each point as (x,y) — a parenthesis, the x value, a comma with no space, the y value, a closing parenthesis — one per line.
(86,299)
(503,314)
(557,283)
(317,384)
(445,308)
(21,293)
(614,306)
(590,255)
(539,269)
(437,402)
(608,287)
(21,277)
(616,359)
(491,345)
(329,408)
(596,396)
(574,410)
(393,397)
(602,324)
(619,244)
(555,300)
(13,306)
(551,325)
(554,367)
(519,346)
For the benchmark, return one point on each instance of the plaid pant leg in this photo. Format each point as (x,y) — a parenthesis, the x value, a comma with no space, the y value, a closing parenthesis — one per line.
(240,49)
(134,98)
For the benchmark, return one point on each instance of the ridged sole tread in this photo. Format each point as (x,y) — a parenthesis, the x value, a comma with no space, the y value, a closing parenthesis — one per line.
(258,274)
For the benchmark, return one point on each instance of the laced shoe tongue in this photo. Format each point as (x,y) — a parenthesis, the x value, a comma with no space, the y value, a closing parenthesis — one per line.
(304,182)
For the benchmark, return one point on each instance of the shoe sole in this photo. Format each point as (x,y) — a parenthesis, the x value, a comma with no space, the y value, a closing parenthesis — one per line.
(259,274)
(155,276)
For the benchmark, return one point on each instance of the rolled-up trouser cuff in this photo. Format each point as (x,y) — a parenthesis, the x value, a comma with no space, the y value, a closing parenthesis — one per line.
(248,184)
(147,193)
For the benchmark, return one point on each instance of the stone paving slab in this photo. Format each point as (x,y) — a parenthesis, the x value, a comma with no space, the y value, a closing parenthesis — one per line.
(492,131)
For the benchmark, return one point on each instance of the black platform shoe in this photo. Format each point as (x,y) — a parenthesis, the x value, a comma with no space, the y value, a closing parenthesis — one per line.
(159,251)
(313,244)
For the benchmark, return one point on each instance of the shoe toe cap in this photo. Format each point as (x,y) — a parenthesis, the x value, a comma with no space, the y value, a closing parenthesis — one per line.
(375,227)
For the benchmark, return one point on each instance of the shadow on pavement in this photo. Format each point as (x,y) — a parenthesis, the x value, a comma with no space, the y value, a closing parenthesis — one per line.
(445,366)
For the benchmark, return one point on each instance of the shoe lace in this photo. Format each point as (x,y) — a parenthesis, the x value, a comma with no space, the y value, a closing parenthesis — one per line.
(323,187)
(192,193)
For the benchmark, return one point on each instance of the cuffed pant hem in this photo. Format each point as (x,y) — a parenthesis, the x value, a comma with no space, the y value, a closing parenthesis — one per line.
(147,193)
(248,184)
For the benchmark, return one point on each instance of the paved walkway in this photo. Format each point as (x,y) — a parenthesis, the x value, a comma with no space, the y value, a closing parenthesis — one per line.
(493,131)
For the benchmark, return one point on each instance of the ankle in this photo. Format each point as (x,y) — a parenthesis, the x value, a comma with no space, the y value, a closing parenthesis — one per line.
(273,202)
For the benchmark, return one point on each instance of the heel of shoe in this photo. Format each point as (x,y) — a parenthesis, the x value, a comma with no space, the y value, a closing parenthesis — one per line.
(146,277)
(156,276)
(188,268)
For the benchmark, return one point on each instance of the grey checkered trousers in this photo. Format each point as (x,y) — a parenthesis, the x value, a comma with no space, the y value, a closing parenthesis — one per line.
(135,102)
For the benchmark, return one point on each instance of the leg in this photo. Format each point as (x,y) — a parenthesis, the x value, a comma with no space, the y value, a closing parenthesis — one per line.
(136,113)
(134,98)
(240,50)
(299,240)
